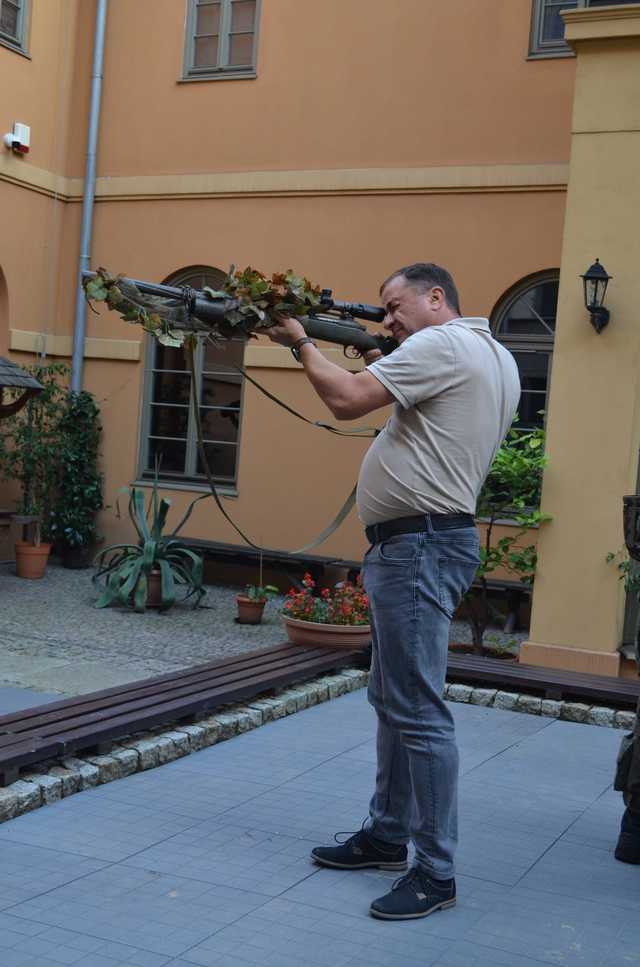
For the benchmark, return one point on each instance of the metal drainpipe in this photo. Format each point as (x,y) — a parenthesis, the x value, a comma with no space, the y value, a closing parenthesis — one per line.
(77,360)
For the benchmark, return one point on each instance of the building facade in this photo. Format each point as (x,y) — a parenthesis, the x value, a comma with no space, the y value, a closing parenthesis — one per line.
(342,145)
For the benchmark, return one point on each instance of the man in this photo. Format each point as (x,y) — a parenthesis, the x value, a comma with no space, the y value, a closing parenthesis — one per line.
(628,783)
(455,391)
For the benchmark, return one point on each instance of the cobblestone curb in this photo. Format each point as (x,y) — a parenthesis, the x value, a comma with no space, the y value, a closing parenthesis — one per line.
(515,702)
(150,749)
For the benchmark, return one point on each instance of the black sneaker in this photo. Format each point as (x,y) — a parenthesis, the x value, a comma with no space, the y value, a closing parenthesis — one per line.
(361,851)
(628,846)
(414,895)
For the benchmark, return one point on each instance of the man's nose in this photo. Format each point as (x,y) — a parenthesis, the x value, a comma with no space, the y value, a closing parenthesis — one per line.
(386,322)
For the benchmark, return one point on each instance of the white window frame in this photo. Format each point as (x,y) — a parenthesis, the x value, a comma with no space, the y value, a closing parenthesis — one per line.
(223,70)
(189,479)
(18,42)
(526,343)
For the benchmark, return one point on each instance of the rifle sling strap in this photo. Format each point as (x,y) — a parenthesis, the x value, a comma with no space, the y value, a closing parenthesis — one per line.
(358,432)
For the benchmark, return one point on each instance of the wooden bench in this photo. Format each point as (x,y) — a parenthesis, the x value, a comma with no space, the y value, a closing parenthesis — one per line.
(553,683)
(97,719)
(515,591)
(315,564)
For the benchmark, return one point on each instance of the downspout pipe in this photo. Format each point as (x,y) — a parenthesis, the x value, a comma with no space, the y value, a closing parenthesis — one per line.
(79,326)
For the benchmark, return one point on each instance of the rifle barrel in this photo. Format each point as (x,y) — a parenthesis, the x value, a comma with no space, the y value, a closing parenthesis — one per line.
(340,331)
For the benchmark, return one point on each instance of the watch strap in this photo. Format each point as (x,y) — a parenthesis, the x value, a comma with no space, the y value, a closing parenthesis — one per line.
(295,349)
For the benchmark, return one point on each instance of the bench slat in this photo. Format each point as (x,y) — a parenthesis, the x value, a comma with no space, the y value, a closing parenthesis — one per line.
(602,688)
(157,680)
(97,712)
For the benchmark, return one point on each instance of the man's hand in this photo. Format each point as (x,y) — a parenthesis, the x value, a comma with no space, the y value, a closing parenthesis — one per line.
(371,355)
(287,332)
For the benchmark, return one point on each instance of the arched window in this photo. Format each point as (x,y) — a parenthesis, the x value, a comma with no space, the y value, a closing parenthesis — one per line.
(524,320)
(168,425)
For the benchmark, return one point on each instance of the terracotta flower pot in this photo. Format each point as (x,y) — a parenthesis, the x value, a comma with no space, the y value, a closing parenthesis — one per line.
(249,610)
(31,559)
(154,590)
(313,634)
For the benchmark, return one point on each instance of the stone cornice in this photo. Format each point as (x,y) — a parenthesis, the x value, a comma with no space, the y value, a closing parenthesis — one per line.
(601,23)
(445,179)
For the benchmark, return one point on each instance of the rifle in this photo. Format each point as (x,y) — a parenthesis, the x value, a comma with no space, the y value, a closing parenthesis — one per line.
(334,322)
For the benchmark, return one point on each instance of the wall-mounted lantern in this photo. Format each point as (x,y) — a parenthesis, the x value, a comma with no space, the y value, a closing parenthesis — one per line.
(595,281)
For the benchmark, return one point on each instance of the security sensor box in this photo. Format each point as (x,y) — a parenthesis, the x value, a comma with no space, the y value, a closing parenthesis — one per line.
(19,140)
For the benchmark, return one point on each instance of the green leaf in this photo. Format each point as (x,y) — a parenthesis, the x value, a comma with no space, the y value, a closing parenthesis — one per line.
(172,339)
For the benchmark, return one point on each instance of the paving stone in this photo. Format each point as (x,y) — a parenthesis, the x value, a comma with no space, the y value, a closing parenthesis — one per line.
(289,700)
(483,696)
(9,803)
(601,716)
(248,719)
(129,760)
(337,685)
(529,704)
(167,750)
(212,731)
(321,689)
(71,781)
(228,723)
(625,720)
(359,676)
(265,708)
(197,736)
(312,696)
(459,693)
(108,767)
(147,749)
(551,708)
(89,774)
(506,700)
(29,795)
(575,712)
(180,741)
(301,696)
(50,786)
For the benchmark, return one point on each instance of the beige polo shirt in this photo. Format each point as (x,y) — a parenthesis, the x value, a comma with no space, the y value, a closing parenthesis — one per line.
(457,390)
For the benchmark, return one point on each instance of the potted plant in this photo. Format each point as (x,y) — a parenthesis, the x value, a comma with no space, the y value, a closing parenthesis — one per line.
(150,572)
(251,604)
(511,492)
(29,454)
(79,486)
(335,618)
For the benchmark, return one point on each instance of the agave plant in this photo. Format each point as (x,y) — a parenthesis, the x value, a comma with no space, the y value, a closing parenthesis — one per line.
(123,571)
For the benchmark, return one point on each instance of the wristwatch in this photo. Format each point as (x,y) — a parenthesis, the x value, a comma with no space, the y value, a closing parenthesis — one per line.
(295,349)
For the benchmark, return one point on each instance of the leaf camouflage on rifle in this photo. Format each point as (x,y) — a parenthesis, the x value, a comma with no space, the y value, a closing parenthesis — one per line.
(255,303)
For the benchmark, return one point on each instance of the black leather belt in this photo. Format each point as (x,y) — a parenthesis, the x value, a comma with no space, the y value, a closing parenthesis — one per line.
(376,533)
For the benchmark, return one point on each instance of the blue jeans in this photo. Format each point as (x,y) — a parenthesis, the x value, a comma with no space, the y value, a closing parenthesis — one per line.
(414,583)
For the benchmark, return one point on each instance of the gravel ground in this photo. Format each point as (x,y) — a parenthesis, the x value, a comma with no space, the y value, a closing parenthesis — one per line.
(52,638)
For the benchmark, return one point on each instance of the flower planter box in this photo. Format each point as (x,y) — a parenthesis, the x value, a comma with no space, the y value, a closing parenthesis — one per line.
(314,634)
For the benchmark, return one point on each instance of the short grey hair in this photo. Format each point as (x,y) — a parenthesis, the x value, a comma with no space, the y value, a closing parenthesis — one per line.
(426,275)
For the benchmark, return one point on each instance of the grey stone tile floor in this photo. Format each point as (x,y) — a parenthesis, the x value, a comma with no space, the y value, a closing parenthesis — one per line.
(205,861)
(54,640)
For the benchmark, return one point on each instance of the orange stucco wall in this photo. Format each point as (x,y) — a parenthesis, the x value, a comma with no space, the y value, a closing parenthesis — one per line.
(347,84)
(365,86)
